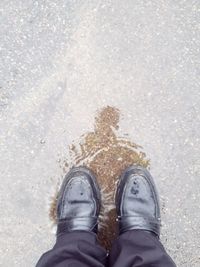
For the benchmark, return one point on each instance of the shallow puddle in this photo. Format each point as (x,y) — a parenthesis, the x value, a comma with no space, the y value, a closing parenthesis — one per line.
(107,155)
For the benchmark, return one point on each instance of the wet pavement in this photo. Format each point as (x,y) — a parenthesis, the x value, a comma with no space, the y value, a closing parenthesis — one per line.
(62,62)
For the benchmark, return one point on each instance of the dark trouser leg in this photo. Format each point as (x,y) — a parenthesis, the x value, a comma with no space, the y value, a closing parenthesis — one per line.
(76,249)
(138,248)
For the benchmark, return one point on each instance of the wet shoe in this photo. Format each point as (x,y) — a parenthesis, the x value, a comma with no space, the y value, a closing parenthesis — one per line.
(78,203)
(137,201)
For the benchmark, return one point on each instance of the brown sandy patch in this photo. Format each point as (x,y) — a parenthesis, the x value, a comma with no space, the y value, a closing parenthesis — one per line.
(107,155)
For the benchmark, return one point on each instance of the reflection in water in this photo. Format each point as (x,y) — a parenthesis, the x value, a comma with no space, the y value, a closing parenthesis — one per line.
(107,155)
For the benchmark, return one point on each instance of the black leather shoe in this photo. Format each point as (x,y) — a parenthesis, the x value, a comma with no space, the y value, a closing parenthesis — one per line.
(137,201)
(78,203)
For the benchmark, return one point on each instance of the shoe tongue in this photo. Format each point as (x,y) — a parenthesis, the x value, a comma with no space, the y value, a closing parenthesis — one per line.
(139,198)
(79,199)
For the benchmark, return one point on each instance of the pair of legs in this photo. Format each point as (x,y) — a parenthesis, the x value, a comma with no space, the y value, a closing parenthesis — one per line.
(138,211)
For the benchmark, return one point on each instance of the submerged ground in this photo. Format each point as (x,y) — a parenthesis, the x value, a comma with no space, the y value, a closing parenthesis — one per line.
(61,62)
